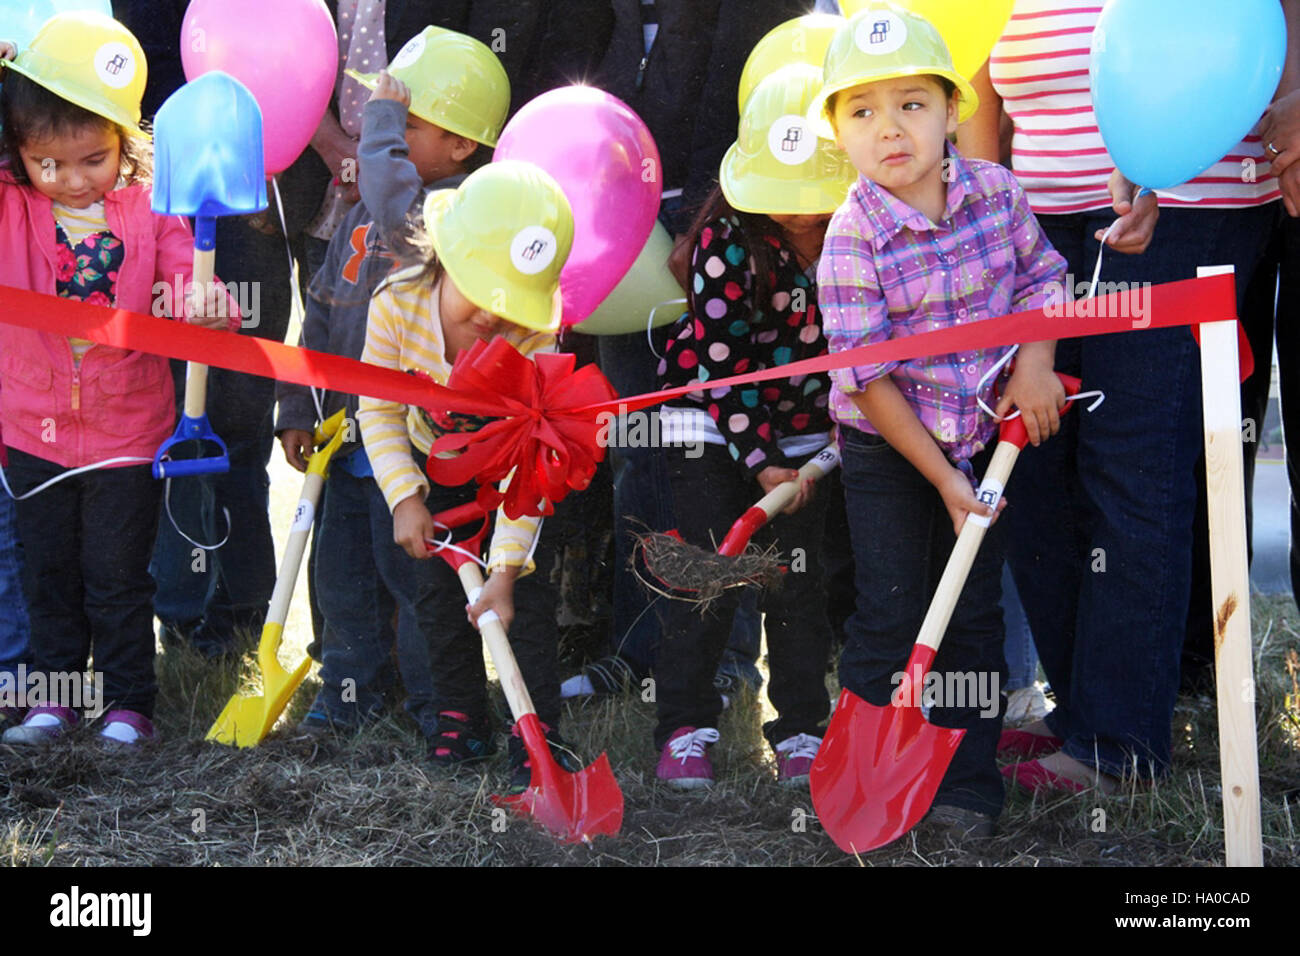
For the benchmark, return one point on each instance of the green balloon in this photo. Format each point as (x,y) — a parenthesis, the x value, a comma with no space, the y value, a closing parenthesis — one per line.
(647,288)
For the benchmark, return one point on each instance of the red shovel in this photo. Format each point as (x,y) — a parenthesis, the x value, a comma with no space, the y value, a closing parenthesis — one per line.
(573,806)
(878,768)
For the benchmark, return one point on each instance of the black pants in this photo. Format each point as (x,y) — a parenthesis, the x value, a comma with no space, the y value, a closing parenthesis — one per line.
(710,494)
(431,591)
(902,537)
(86,546)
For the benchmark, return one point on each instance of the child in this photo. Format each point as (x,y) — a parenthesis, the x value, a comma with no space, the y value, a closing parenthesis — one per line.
(753,306)
(925,240)
(461,101)
(499,242)
(75,221)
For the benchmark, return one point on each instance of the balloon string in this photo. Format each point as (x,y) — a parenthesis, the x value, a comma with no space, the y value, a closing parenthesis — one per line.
(294,291)
(650,320)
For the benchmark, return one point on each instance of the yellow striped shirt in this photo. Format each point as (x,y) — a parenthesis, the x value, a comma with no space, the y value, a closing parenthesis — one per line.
(404,332)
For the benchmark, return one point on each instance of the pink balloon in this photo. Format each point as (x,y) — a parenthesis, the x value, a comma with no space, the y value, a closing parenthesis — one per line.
(285,51)
(606,161)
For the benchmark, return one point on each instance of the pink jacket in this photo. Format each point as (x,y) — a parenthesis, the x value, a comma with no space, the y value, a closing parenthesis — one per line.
(119,402)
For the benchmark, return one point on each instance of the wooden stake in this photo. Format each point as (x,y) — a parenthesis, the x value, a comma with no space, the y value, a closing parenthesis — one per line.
(1230,587)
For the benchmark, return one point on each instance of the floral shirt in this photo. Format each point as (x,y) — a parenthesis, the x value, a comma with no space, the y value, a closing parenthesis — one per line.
(87,270)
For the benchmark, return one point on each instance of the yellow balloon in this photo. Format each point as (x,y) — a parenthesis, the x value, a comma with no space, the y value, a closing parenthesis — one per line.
(969,27)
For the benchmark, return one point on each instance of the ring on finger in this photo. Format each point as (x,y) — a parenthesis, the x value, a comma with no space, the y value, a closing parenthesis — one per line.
(1273,149)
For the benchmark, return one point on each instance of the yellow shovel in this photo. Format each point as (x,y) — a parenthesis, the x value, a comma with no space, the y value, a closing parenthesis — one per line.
(245,721)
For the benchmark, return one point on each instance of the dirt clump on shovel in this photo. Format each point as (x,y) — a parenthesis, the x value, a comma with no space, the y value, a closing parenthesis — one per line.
(667,565)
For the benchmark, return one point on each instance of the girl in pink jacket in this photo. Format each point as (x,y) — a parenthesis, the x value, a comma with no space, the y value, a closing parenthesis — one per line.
(75,222)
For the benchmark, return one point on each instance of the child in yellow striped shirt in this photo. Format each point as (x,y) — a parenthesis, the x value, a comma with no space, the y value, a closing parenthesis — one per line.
(499,243)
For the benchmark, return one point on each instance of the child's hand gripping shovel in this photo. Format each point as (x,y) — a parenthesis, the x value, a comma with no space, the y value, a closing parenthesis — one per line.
(245,721)
(878,768)
(573,806)
(690,573)
(207,163)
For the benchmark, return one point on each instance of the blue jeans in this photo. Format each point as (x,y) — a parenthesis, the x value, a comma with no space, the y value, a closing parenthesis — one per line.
(1022,659)
(14,630)
(357,609)
(1101,523)
(902,538)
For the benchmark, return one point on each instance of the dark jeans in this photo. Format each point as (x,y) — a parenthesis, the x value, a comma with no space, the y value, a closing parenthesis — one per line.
(902,537)
(430,593)
(14,630)
(232,585)
(1101,525)
(710,493)
(86,544)
(357,608)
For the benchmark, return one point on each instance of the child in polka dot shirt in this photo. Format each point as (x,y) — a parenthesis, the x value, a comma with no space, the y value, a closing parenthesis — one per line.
(753,305)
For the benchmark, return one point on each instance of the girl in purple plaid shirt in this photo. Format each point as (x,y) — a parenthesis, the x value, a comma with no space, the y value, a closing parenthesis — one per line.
(925,240)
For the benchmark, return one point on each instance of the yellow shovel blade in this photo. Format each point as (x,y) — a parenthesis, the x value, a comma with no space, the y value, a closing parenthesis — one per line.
(245,721)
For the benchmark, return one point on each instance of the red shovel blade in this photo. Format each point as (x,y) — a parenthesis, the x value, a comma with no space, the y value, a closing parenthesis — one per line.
(877,771)
(573,806)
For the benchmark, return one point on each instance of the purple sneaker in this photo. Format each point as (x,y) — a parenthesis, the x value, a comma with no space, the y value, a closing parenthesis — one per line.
(126,727)
(42,725)
(685,763)
(794,758)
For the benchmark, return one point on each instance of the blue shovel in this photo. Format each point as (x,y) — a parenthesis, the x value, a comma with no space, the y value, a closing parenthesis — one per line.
(207,163)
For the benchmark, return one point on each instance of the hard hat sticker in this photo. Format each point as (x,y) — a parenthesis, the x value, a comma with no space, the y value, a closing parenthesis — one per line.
(409,53)
(791,141)
(881,33)
(114,64)
(533,249)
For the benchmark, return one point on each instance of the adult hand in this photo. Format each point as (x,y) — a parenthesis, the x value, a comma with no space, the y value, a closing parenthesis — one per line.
(1289,182)
(1136,224)
(1279,130)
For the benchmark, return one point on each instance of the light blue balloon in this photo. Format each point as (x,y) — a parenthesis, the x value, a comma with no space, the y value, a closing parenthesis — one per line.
(1177,83)
(20,19)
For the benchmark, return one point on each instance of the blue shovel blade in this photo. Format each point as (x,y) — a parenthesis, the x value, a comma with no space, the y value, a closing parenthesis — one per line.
(208,150)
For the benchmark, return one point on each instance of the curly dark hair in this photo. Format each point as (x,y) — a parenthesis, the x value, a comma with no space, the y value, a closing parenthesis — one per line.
(30,112)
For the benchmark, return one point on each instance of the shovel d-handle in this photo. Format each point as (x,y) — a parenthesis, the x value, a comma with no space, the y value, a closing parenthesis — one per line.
(194,425)
(498,645)
(759,514)
(1012,438)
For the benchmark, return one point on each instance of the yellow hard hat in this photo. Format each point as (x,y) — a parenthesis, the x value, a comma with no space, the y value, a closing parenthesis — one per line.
(884,42)
(456,82)
(91,60)
(503,238)
(801,40)
(777,164)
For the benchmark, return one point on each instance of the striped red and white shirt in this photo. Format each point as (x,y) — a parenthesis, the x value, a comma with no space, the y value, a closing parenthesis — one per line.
(1040,69)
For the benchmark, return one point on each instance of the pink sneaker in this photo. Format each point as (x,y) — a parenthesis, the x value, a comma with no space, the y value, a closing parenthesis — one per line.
(126,727)
(42,725)
(794,759)
(685,763)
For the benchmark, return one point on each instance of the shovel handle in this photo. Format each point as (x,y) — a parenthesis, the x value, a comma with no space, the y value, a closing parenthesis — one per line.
(1012,438)
(196,375)
(767,507)
(498,644)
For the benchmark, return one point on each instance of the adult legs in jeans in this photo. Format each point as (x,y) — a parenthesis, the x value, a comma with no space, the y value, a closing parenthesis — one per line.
(902,538)
(708,490)
(1102,528)
(86,574)
(233,585)
(357,609)
(14,631)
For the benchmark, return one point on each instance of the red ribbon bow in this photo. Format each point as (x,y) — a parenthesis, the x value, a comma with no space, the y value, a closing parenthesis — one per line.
(545,431)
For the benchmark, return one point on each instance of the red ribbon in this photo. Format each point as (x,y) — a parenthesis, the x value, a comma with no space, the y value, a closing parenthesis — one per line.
(544,432)
(546,412)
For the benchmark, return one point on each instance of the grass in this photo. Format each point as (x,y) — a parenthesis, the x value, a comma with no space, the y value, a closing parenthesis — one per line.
(371,799)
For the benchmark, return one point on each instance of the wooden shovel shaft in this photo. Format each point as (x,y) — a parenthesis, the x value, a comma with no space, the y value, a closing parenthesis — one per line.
(766,508)
(196,375)
(964,551)
(498,644)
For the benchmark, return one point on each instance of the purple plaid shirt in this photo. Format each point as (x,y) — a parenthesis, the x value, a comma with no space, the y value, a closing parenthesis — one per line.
(886,272)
